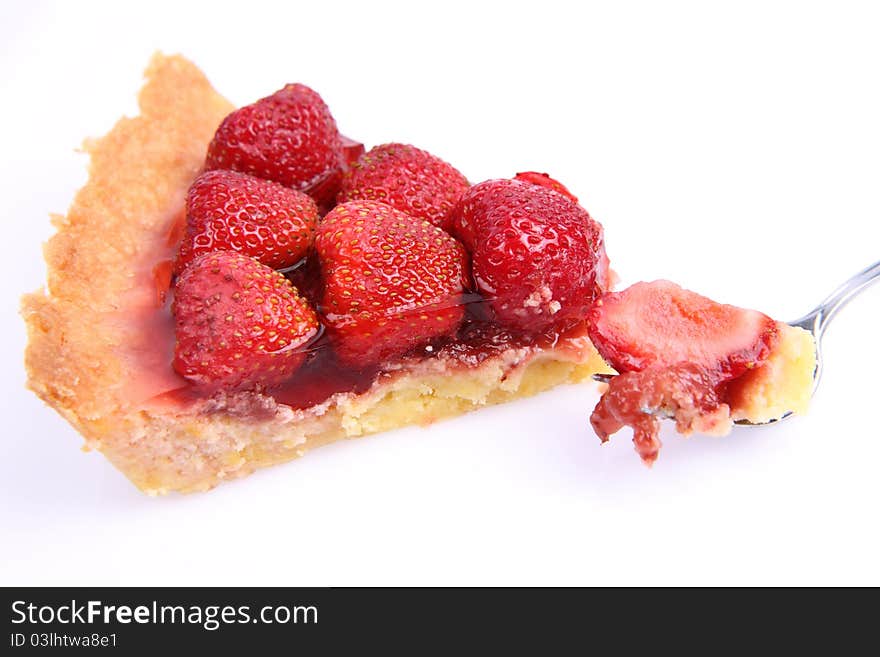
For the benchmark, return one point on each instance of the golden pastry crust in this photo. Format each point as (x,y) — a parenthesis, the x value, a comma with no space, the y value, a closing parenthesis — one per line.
(84,350)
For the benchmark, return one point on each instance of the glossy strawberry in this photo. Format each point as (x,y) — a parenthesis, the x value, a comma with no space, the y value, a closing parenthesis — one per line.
(238,324)
(407,178)
(289,137)
(660,324)
(537,257)
(391,282)
(232,211)
(544,180)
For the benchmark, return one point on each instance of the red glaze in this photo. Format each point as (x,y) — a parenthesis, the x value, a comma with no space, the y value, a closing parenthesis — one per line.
(306,278)
(352,150)
(476,339)
(327,187)
(320,374)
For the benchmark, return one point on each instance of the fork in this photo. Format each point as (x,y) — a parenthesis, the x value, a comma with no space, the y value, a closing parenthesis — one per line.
(816,322)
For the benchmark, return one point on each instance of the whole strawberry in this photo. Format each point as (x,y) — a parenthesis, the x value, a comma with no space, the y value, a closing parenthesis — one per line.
(407,178)
(537,256)
(289,137)
(239,325)
(391,282)
(232,211)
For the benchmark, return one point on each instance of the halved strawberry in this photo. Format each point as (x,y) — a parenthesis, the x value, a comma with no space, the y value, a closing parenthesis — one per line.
(544,180)
(407,178)
(289,137)
(238,324)
(661,324)
(232,211)
(391,282)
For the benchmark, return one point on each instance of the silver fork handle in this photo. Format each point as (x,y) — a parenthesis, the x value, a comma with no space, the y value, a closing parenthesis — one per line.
(817,320)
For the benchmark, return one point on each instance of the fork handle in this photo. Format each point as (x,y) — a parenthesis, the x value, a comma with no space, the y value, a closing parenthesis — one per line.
(817,320)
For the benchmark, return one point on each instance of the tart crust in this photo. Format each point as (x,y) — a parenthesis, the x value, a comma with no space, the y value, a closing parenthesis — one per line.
(87,350)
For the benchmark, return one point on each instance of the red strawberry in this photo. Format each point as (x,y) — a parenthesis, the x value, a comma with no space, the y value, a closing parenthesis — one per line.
(289,137)
(407,178)
(544,180)
(537,257)
(660,324)
(238,324)
(231,211)
(391,282)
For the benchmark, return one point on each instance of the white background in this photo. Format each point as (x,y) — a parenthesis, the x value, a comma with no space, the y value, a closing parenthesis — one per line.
(732,148)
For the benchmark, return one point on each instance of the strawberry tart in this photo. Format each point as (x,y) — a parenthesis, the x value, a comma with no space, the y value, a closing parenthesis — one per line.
(234,287)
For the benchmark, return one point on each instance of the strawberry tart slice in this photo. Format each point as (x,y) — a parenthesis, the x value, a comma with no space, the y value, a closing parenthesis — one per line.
(234,287)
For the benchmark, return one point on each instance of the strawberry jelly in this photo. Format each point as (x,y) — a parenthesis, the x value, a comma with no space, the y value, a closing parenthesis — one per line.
(321,375)
(477,339)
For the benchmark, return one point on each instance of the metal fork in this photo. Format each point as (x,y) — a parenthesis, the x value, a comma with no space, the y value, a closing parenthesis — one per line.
(816,322)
